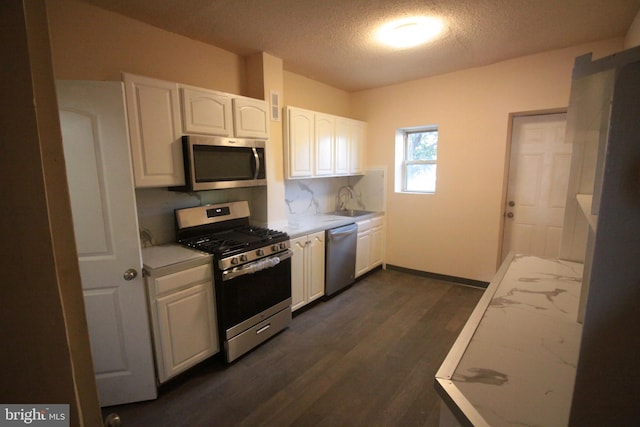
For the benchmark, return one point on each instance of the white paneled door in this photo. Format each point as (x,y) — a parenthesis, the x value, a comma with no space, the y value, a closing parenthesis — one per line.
(537,186)
(98,163)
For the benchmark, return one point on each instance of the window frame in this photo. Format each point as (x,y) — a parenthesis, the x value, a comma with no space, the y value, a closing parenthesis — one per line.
(403,134)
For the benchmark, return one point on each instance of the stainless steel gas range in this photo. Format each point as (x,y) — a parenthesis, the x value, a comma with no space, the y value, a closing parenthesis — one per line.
(252,272)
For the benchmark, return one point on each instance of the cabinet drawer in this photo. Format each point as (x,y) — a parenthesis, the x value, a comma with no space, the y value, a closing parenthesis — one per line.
(377,221)
(174,281)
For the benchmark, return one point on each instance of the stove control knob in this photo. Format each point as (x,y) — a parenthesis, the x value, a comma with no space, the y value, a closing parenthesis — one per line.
(275,248)
(260,252)
(283,246)
(234,260)
(243,258)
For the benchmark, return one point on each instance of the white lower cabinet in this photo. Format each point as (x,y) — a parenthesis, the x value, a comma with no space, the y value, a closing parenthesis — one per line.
(307,269)
(370,247)
(363,248)
(183,317)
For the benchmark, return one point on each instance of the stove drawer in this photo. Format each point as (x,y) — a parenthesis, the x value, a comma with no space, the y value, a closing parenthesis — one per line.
(241,343)
(182,279)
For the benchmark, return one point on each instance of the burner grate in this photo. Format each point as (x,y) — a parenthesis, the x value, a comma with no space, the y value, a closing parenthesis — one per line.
(261,233)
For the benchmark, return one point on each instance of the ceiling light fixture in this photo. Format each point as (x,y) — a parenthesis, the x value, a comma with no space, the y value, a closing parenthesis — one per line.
(409,32)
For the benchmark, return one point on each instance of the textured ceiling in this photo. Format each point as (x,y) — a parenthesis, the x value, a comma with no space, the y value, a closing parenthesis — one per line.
(332,40)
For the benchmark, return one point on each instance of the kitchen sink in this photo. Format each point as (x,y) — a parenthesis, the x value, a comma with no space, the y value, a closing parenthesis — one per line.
(351,213)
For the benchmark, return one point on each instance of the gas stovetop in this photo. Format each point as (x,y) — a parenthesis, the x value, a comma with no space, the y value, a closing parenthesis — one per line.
(224,231)
(237,240)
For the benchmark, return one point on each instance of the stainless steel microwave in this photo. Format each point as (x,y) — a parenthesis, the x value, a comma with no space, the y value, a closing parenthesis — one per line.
(212,163)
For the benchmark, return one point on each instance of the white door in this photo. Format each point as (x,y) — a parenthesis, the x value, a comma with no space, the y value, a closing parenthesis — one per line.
(98,163)
(537,186)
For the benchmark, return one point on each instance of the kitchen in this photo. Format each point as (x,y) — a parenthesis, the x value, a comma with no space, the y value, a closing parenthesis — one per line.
(474,238)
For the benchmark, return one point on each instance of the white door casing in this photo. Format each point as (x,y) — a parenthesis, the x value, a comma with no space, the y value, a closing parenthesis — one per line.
(98,162)
(537,186)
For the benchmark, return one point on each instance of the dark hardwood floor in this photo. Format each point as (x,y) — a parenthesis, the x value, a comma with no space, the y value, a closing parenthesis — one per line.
(366,357)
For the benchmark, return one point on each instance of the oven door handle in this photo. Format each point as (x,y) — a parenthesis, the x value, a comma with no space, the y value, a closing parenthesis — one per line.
(259,265)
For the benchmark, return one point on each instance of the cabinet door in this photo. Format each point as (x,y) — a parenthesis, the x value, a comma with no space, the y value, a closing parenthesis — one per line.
(362,253)
(251,118)
(377,246)
(206,112)
(299,145)
(363,248)
(315,249)
(342,147)
(153,112)
(298,247)
(187,328)
(357,147)
(324,138)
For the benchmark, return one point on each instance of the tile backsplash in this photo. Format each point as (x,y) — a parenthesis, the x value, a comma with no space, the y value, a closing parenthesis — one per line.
(320,195)
(156,218)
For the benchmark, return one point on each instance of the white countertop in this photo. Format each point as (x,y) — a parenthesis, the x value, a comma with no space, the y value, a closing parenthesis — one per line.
(299,225)
(515,361)
(155,257)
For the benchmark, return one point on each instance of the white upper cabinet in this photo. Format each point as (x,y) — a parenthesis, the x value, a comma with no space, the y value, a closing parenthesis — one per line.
(349,146)
(324,138)
(357,147)
(318,144)
(342,147)
(299,145)
(160,112)
(155,128)
(217,113)
(251,118)
(207,112)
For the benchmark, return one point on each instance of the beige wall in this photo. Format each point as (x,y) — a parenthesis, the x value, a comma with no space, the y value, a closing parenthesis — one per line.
(456,231)
(306,93)
(268,69)
(89,43)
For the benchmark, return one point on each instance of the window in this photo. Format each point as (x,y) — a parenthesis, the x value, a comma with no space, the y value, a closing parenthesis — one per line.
(416,155)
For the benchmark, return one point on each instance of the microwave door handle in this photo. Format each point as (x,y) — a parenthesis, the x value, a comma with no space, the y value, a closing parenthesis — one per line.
(256,158)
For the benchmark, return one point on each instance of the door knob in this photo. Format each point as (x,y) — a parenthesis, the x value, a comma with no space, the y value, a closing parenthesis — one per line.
(510,215)
(130,274)
(512,203)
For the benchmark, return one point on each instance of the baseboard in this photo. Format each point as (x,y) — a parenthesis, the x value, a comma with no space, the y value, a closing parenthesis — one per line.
(444,277)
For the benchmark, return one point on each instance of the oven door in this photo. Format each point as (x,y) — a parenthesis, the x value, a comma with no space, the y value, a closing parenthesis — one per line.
(246,299)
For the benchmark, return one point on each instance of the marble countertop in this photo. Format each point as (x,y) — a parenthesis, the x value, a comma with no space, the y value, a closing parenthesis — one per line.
(515,361)
(156,257)
(300,225)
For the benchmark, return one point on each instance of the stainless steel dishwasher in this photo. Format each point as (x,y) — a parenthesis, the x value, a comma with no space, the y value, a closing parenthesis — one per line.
(340,259)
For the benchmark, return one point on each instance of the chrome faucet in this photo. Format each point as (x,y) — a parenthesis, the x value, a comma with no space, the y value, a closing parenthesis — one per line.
(341,204)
